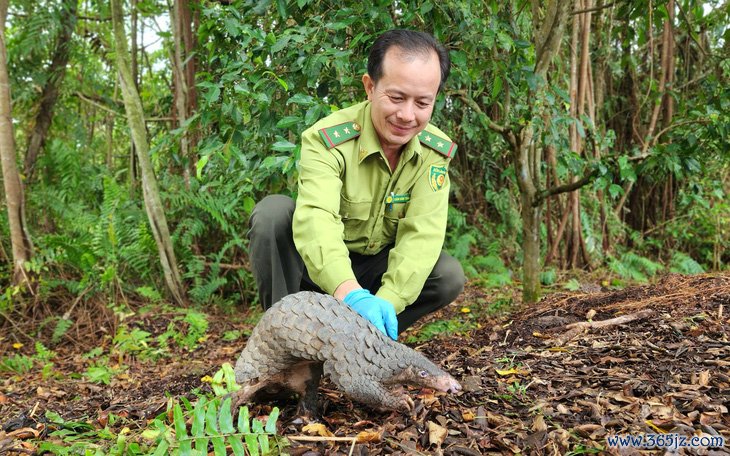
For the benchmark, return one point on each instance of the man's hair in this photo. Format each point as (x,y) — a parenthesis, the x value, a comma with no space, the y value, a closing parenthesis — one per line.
(410,42)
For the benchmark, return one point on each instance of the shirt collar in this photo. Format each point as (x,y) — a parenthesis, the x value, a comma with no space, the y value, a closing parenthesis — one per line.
(370,144)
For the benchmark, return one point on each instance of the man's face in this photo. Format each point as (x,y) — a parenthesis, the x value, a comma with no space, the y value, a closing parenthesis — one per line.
(402,101)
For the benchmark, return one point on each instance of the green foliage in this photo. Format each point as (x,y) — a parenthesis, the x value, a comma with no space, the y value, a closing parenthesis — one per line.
(477,252)
(187,329)
(684,264)
(197,327)
(62,326)
(212,424)
(20,364)
(134,341)
(631,266)
(437,328)
(99,373)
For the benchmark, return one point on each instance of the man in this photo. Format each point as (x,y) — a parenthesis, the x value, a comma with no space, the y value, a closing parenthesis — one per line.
(370,219)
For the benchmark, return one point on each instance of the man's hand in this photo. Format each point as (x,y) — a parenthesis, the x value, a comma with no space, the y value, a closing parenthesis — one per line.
(376,310)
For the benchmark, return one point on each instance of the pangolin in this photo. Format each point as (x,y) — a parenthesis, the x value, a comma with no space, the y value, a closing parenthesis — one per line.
(308,334)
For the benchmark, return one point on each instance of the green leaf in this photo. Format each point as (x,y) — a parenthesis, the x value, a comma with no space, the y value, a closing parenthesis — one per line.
(226,419)
(496,87)
(211,428)
(181,435)
(211,423)
(283,146)
(162,449)
(271,422)
(248,204)
(200,165)
(615,190)
(300,99)
(179,421)
(288,121)
(211,96)
(237,445)
(252,444)
(243,421)
(198,427)
(281,8)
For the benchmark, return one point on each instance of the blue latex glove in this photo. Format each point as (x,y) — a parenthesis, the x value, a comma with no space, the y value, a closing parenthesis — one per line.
(376,310)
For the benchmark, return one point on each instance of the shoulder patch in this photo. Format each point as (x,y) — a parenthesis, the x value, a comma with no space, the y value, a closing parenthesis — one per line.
(440,145)
(338,134)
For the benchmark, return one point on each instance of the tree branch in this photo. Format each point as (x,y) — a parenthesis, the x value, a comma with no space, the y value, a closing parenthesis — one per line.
(595,8)
(583,181)
(501,129)
(655,139)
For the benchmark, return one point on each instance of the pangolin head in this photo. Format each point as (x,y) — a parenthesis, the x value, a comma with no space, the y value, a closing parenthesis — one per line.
(422,372)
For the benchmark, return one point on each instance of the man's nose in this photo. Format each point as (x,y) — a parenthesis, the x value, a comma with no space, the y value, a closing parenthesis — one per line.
(407,112)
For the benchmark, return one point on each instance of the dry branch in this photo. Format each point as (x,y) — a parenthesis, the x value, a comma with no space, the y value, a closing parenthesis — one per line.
(575,329)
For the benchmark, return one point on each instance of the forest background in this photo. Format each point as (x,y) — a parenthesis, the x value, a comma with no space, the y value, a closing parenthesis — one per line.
(592,136)
(137,135)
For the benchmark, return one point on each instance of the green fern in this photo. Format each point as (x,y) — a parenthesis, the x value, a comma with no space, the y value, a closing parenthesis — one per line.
(685,264)
(634,267)
(212,424)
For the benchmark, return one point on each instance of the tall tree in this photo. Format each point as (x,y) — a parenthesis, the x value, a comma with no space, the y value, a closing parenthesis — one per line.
(135,117)
(184,70)
(49,94)
(19,238)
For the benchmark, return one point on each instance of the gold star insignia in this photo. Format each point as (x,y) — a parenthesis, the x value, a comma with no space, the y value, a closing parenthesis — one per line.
(428,138)
(337,134)
(346,130)
(440,144)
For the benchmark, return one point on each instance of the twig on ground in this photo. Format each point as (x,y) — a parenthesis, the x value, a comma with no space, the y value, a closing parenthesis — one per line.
(574,329)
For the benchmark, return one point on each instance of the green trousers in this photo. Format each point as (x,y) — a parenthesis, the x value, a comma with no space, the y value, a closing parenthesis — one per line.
(280,271)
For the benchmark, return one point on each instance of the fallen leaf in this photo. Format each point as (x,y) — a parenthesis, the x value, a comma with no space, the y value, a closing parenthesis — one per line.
(428,397)
(653,426)
(24,433)
(467,415)
(538,424)
(436,434)
(368,437)
(481,418)
(17,345)
(590,314)
(611,360)
(512,371)
(704,378)
(317,429)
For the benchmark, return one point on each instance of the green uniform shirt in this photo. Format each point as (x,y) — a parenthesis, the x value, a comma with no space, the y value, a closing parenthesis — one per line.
(349,200)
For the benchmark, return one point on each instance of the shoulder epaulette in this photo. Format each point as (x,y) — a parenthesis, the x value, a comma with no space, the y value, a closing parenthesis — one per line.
(338,134)
(440,145)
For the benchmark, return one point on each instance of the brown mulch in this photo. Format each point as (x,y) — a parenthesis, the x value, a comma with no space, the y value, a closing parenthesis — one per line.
(556,377)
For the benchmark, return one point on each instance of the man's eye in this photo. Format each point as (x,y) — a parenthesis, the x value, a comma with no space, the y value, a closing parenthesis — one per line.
(423,105)
(396,99)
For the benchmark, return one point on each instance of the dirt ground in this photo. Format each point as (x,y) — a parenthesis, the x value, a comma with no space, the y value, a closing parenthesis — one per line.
(558,377)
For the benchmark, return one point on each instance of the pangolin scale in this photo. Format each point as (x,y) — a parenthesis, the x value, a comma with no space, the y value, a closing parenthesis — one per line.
(308,334)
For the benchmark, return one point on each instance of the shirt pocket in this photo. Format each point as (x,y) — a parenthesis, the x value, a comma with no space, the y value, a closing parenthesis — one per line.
(390,222)
(355,217)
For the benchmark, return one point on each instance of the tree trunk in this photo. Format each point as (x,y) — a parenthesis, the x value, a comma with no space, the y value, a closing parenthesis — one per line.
(526,156)
(19,239)
(49,95)
(184,77)
(135,116)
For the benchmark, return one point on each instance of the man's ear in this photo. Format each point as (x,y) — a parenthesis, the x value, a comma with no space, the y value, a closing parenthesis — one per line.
(369,85)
